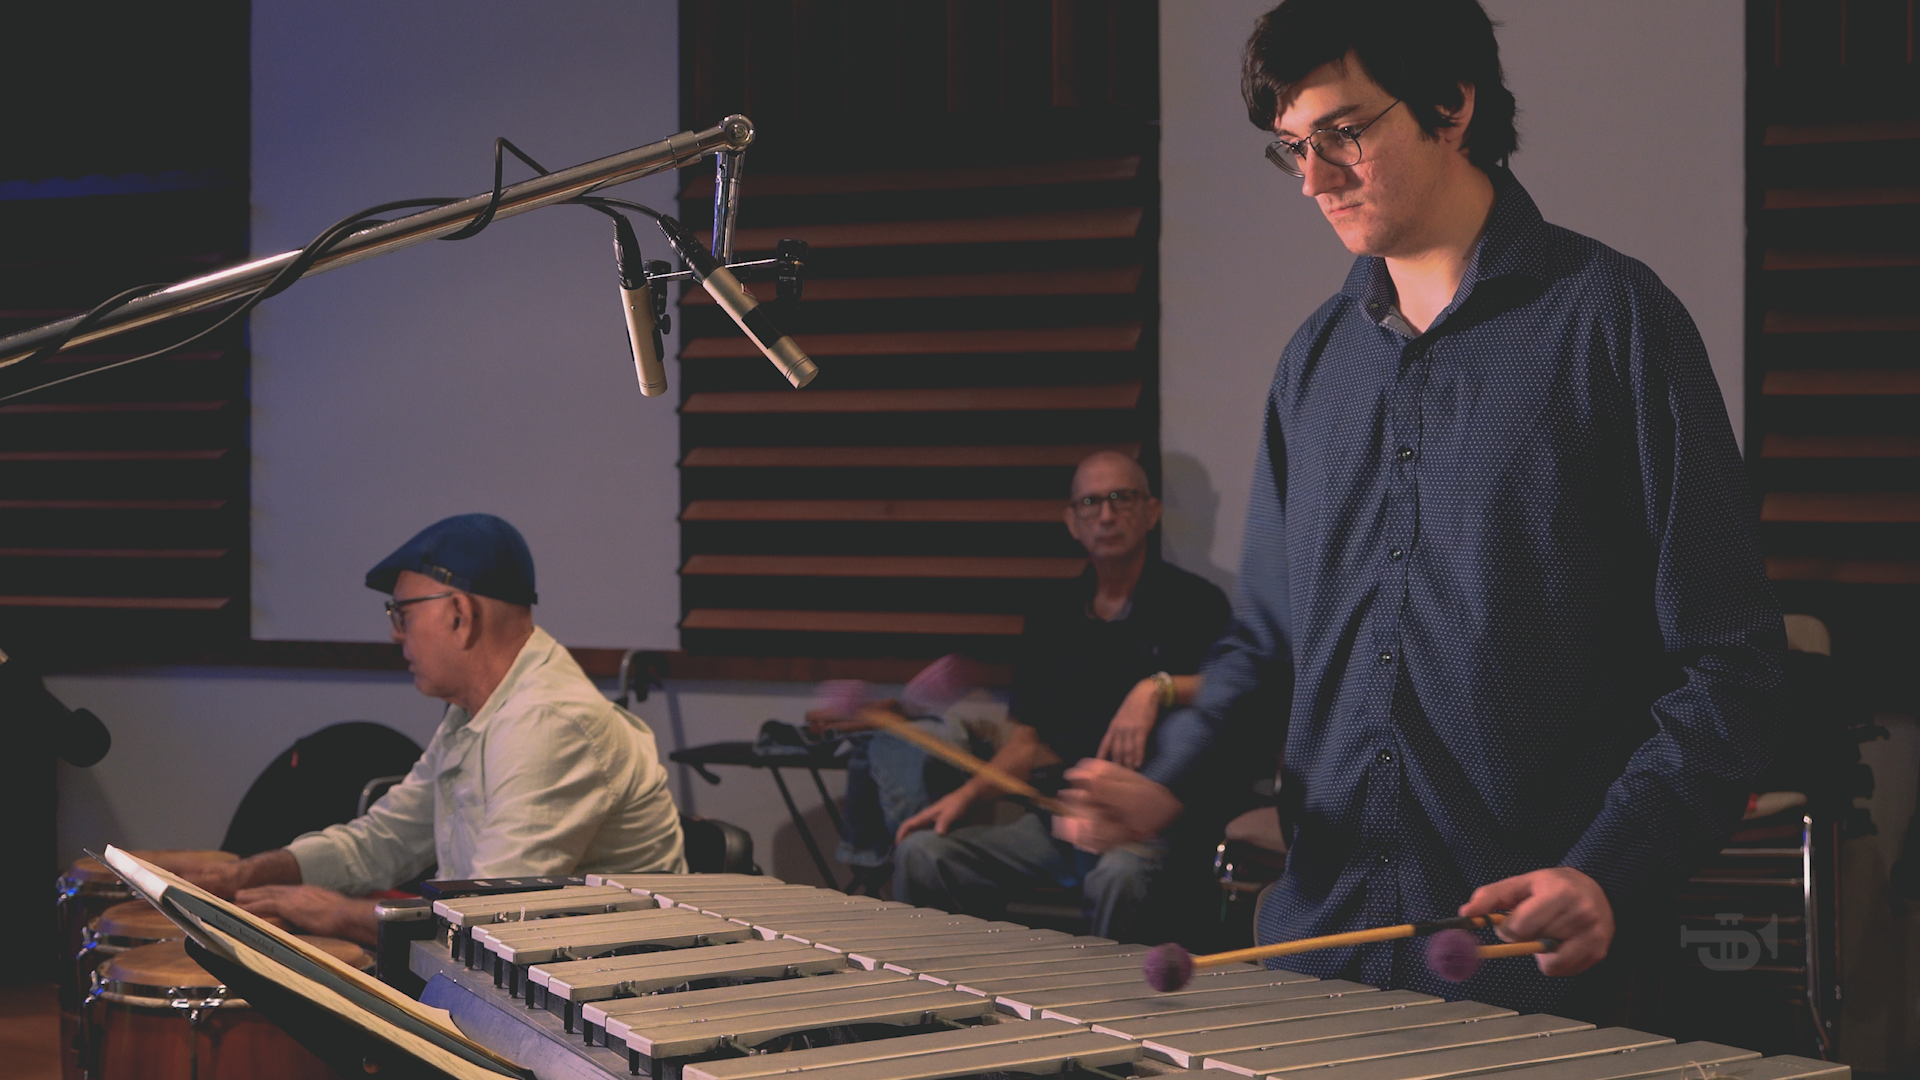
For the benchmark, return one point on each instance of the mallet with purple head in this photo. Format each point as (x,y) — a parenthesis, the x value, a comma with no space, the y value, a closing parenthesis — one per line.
(1455,955)
(1169,967)
(939,685)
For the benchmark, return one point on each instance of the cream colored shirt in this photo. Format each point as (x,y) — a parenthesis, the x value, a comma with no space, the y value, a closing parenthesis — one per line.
(549,777)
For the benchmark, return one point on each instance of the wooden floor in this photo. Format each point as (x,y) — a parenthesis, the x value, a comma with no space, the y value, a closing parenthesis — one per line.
(30,1031)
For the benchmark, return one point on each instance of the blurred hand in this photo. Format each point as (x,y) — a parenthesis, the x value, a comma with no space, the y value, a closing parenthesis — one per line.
(821,721)
(1560,903)
(222,879)
(314,910)
(1127,733)
(940,816)
(1113,805)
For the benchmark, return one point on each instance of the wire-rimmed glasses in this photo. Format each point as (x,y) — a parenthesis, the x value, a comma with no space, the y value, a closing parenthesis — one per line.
(1336,146)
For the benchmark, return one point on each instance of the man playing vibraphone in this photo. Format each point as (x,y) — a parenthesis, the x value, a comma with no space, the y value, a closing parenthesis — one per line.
(1500,583)
(532,770)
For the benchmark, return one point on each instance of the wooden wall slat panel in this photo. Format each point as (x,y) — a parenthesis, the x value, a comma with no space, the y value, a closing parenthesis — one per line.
(1834,367)
(981,303)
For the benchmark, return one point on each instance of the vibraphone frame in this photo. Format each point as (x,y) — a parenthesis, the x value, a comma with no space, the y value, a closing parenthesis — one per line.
(695,978)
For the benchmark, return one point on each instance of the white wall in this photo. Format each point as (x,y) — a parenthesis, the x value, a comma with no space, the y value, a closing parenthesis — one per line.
(489,374)
(1245,258)
(188,742)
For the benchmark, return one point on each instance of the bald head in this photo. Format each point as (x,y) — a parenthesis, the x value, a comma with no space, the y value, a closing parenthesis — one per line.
(1104,467)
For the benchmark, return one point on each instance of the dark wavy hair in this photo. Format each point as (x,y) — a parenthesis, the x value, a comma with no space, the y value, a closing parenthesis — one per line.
(1420,51)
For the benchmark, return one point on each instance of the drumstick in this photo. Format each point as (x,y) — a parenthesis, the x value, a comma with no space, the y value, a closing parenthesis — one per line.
(1455,955)
(902,728)
(1169,967)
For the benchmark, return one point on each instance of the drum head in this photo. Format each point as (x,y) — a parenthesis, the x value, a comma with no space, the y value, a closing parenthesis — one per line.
(91,870)
(164,964)
(137,920)
(344,951)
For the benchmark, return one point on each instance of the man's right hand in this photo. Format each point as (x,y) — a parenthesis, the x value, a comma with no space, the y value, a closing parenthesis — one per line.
(1113,806)
(224,879)
(940,816)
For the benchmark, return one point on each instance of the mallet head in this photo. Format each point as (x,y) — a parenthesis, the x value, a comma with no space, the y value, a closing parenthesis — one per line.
(1167,967)
(841,697)
(939,685)
(1453,955)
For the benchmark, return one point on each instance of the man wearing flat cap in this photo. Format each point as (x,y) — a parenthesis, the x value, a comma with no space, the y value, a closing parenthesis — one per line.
(532,771)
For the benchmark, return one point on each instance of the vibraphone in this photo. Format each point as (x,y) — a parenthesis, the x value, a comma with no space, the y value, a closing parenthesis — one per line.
(726,977)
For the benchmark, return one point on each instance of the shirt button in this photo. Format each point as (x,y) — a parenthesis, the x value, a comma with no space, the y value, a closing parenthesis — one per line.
(1405,453)
(1386,757)
(1385,658)
(1385,858)
(1395,554)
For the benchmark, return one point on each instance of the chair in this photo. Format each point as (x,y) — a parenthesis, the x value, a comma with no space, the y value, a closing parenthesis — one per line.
(371,791)
(319,781)
(717,847)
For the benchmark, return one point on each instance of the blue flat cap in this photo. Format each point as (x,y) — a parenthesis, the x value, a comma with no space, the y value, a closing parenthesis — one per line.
(476,553)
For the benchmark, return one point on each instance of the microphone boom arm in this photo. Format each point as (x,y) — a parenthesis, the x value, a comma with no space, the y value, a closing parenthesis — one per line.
(731,135)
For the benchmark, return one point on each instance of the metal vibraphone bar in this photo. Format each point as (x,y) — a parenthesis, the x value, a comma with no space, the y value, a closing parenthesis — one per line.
(726,977)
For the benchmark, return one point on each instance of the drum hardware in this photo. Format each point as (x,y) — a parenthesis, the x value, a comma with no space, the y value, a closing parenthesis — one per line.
(131,1021)
(86,891)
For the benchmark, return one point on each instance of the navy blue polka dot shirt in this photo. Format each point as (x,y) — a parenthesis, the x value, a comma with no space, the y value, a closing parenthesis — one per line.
(1502,598)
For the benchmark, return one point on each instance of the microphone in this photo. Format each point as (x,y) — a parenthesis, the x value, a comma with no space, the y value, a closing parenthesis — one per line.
(741,306)
(636,296)
(77,734)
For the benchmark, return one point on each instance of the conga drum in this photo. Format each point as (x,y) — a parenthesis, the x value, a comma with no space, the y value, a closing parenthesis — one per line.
(117,929)
(89,888)
(154,1014)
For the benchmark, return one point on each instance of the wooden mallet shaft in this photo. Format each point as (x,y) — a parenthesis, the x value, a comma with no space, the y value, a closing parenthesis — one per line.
(904,729)
(1517,948)
(1354,937)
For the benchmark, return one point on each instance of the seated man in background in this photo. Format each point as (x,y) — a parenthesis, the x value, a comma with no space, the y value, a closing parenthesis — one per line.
(532,770)
(1098,666)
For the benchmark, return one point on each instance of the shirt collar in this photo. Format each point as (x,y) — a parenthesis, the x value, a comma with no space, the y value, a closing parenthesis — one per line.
(1090,582)
(536,652)
(1512,244)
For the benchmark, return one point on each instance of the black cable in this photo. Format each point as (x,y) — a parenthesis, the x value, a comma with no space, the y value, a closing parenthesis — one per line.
(601,202)
(288,274)
(485,217)
(296,269)
(92,316)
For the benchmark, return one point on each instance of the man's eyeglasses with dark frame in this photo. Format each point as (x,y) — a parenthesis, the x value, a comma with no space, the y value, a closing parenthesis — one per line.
(1336,146)
(1121,499)
(397,608)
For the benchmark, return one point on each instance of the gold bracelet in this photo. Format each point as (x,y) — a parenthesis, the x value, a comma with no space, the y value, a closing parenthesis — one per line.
(1164,683)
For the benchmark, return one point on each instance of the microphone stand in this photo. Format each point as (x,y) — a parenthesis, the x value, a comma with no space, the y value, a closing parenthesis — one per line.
(727,138)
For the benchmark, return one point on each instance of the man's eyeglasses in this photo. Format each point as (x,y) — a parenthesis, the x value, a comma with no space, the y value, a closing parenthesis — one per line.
(397,609)
(1121,499)
(1335,146)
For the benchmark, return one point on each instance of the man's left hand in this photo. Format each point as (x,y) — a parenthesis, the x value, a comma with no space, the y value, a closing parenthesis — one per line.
(315,910)
(1560,903)
(1132,725)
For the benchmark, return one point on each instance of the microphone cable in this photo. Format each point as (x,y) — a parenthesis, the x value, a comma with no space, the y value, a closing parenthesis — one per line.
(311,253)
(293,271)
